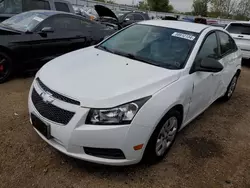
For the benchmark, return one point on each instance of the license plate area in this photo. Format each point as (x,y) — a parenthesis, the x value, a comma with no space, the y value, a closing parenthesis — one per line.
(42,127)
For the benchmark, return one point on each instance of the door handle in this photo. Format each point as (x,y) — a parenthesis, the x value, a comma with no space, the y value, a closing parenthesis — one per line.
(241,36)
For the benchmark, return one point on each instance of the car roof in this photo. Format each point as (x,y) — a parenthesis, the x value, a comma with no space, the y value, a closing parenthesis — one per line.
(187,26)
(50,12)
(240,22)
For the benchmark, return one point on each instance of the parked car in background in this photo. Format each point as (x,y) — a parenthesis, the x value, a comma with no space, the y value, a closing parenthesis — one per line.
(170,18)
(200,20)
(86,12)
(219,25)
(10,8)
(108,16)
(30,39)
(240,31)
(126,98)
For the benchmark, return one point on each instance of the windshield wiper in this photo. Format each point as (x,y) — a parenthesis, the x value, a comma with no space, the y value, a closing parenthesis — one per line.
(151,62)
(132,56)
(105,49)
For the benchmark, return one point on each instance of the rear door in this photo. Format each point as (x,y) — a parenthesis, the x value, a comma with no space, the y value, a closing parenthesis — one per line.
(230,59)
(241,33)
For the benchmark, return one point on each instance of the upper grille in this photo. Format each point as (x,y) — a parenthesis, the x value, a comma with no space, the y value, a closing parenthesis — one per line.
(50,111)
(57,95)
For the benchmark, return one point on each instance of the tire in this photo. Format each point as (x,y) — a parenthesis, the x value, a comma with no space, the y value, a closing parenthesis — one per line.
(153,155)
(5,67)
(231,88)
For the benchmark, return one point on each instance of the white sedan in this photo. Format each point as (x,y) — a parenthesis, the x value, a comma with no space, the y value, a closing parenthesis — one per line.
(125,99)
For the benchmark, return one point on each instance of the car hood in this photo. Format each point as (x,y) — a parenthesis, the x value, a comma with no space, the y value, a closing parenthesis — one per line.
(7,31)
(103,11)
(99,79)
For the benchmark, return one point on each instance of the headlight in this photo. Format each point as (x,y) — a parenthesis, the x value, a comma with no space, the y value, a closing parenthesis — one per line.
(119,115)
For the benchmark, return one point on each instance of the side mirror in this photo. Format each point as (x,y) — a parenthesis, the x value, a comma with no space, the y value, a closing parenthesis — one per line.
(47,30)
(207,65)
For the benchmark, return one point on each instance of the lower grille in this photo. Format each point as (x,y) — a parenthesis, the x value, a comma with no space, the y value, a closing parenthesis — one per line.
(105,153)
(50,111)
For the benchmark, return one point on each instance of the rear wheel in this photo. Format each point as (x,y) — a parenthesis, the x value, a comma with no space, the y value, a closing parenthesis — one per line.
(5,67)
(162,138)
(231,88)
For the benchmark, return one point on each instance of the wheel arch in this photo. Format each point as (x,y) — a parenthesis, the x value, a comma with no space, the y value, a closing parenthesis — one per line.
(8,52)
(238,72)
(177,107)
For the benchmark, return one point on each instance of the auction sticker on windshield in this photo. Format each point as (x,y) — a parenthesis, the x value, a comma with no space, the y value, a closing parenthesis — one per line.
(183,36)
(38,19)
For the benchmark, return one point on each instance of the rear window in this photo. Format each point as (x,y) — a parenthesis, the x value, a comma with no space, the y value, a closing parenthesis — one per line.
(62,7)
(238,28)
(35,5)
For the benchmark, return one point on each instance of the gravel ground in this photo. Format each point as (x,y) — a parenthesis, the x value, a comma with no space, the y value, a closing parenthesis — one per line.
(213,151)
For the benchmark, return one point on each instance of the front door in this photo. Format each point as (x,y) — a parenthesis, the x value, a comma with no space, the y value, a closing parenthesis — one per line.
(64,37)
(205,84)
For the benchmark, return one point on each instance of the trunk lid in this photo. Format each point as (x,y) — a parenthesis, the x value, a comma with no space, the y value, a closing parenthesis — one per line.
(103,11)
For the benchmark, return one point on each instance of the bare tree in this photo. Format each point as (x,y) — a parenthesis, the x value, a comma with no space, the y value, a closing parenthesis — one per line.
(229,7)
(243,8)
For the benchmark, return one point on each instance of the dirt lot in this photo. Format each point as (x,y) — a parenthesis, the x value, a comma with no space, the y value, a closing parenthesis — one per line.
(213,151)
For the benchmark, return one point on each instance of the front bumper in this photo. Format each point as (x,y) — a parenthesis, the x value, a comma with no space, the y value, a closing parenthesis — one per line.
(71,139)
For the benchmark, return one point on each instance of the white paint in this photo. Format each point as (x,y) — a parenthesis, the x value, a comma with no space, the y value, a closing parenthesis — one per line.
(100,79)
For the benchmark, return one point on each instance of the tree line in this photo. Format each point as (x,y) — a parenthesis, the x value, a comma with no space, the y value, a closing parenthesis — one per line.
(230,9)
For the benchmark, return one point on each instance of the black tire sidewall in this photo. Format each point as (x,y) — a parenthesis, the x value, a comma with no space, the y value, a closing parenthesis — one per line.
(10,67)
(150,156)
(226,97)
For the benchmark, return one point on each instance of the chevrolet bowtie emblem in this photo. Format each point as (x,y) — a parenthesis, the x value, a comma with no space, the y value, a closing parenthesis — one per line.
(47,97)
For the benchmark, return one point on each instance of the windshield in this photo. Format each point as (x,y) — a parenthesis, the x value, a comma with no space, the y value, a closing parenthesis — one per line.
(26,21)
(10,6)
(238,28)
(160,46)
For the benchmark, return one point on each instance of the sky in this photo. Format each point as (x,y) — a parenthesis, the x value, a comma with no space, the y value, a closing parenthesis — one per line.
(180,5)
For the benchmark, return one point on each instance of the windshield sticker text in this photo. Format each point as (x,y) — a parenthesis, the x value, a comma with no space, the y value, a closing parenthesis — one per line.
(183,36)
(38,19)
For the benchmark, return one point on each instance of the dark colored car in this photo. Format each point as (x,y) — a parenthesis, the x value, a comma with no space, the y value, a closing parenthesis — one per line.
(219,25)
(10,8)
(30,39)
(200,20)
(108,16)
(170,18)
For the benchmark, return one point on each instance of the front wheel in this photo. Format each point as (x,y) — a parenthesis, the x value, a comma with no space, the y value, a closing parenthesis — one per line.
(5,67)
(162,138)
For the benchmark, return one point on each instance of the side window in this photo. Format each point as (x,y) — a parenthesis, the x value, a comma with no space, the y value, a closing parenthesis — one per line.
(62,7)
(138,17)
(62,23)
(227,44)
(36,5)
(209,48)
(130,17)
